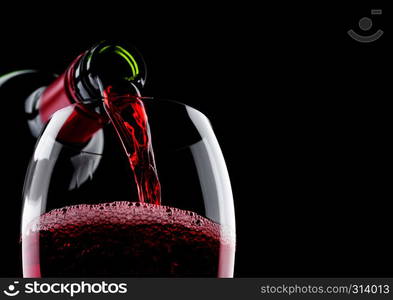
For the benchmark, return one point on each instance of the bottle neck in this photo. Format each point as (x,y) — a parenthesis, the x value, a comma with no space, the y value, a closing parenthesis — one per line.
(59,94)
(83,122)
(83,84)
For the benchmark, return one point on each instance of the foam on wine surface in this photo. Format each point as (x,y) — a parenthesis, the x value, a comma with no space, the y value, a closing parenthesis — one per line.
(125,239)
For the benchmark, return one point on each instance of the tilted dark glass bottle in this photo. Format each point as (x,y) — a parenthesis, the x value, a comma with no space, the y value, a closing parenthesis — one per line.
(83,83)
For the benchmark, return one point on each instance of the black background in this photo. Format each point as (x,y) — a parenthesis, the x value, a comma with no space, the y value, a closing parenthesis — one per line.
(299,108)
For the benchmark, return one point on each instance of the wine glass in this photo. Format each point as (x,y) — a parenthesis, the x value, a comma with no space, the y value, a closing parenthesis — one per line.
(82,218)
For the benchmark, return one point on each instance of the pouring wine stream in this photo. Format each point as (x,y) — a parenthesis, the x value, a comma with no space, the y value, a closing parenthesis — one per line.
(127,114)
(106,82)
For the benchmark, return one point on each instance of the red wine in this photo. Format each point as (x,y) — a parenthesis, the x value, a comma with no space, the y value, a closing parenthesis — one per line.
(128,116)
(125,239)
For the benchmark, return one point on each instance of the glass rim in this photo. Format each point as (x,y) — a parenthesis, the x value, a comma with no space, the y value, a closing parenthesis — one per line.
(150,100)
